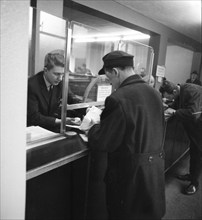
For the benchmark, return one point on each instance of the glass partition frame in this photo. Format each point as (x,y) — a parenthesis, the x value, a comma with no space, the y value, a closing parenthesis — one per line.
(116,45)
(67,36)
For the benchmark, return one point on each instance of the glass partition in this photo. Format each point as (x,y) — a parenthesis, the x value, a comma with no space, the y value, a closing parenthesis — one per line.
(52,36)
(48,34)
(84,46)
(143,56)
(87,46)
(86,61)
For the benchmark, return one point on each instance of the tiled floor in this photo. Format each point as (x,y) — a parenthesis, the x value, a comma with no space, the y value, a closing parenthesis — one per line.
(178,205)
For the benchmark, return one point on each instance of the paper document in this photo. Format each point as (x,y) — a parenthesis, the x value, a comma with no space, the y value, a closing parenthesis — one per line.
(35,133)
(84,137)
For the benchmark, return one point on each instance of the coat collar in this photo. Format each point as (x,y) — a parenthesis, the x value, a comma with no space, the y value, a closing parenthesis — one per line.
(132,80)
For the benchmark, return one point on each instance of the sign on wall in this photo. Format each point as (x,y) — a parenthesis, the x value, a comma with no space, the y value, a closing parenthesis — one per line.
(160,71)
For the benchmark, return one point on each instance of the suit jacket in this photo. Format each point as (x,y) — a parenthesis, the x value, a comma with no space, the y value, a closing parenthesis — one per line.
(43,108)
(132,132)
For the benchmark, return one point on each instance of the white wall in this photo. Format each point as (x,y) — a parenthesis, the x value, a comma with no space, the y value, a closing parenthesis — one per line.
(178,64)
(13,86)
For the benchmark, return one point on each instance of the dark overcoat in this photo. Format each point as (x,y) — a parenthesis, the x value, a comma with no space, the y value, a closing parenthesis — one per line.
(132,132)
(188,107)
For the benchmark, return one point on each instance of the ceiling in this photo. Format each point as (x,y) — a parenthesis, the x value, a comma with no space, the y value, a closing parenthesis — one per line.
(182,16)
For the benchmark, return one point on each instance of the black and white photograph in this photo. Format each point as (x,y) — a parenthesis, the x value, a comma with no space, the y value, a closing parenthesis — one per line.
(100,110)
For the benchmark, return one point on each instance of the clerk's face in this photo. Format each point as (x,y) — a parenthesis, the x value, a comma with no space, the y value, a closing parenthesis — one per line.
(55,75)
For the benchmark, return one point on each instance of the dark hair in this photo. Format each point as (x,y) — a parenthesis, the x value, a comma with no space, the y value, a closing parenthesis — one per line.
(194,72)
(54,59)
(167,86)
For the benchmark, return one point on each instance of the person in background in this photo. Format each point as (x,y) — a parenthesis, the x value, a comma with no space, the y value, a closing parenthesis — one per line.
(45,94)
(150,80)
(187,108)
(131,131)
(194,79)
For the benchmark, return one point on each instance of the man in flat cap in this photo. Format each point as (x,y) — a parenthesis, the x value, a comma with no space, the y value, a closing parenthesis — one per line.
(131,131)
(187,108)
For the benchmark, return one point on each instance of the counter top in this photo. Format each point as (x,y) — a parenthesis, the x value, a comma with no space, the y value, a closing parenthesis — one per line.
(50,155)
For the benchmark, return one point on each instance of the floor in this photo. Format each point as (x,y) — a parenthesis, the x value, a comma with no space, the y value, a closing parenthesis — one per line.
(178,205)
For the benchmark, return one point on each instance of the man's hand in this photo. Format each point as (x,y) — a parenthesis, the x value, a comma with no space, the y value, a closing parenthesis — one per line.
(169,113)
(92,117)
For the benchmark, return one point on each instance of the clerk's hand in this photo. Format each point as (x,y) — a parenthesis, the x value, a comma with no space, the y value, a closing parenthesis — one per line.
(73,121)
(57,121)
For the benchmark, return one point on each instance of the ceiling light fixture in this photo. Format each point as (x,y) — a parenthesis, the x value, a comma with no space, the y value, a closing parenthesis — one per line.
(110,37)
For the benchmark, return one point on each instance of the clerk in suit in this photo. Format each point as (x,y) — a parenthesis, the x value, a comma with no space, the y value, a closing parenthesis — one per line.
(45,94)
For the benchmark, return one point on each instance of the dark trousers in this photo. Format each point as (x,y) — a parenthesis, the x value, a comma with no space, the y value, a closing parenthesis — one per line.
(194,132)
(195,163)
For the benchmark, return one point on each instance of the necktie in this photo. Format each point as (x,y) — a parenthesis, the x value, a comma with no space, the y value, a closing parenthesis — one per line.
(50,91)
(50,88)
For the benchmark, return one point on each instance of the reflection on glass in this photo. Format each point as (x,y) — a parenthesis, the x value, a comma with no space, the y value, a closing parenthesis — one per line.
(89,45)
(86,47)
(86,61)
(45,81)
(141,55)
(47,44)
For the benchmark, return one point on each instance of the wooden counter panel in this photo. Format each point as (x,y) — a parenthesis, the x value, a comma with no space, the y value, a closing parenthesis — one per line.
(176,142)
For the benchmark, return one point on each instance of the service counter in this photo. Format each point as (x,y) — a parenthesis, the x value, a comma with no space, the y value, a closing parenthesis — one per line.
(57,179)
(176,143)
(48,155)
(65,181)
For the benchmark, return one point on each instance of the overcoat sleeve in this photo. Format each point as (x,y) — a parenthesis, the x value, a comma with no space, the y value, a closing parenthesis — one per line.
(109,134)
(190,107)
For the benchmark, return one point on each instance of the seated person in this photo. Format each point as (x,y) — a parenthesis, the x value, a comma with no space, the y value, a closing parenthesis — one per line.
(45,94)
(194,79)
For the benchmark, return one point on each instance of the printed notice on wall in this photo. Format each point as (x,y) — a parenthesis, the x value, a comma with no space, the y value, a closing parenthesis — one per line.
(160,71)
(103,91)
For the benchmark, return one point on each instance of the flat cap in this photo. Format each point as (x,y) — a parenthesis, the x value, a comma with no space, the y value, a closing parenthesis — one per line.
(116,58)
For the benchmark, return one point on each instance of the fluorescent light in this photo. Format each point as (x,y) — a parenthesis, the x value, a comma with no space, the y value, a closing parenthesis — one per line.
(101,39)
(110,37)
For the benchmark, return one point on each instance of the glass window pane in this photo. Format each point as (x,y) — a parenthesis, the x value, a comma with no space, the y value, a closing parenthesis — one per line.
(47,44)
(52,24)
(142,56)
(86,61)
